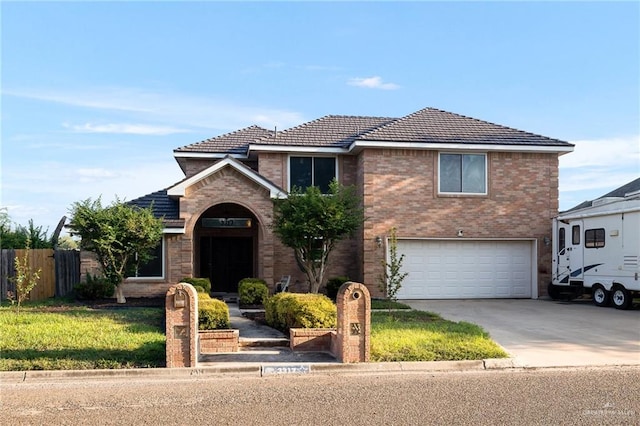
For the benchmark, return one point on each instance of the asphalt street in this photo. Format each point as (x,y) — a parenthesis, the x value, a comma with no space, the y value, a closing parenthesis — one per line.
(586,396)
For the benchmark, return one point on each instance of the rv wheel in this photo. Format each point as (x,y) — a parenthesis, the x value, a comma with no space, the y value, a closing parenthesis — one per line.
(620,297)
(600,295)
(553,291)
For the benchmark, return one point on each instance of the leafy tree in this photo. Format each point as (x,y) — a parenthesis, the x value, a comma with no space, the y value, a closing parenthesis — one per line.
(120,235)
(22,236)
(391,279)
(312,223)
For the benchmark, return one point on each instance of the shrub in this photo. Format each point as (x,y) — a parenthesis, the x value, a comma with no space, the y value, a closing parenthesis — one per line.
(202,282)
(199,289)
(213,314)
(252,291)
(296,310)
(94,287)
(333,285)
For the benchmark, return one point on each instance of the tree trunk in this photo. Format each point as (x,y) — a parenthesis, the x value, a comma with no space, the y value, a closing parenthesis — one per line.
(120,295)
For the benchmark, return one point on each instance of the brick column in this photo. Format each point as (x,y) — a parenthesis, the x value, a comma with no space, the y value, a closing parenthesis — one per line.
(354,323)
(181,306)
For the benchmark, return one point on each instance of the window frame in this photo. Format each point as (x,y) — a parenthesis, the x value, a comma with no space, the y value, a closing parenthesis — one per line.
(595,242)
(313,157)
(163,265)
(462,192)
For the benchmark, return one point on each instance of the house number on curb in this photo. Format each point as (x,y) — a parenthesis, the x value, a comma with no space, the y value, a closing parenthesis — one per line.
(355,328)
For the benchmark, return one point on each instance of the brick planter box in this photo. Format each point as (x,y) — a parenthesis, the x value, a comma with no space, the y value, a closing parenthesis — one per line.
(215,341)
(311,339)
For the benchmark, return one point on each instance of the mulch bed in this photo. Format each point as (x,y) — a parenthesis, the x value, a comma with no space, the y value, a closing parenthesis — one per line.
(132,302)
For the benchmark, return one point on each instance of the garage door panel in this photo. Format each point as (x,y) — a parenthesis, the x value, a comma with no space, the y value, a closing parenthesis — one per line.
(448,269)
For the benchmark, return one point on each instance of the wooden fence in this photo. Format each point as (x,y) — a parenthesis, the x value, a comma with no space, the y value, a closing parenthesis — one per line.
(59,272)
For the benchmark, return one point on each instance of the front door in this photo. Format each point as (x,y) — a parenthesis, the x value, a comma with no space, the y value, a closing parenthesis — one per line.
(226,260)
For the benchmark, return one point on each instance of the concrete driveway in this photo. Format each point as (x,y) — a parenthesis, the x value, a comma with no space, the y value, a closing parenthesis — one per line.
(546,333)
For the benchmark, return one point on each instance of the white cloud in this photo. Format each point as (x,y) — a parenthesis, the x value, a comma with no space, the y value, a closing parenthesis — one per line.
(372,83)
(171,109)
(124,128)
(597,167)
(613,152)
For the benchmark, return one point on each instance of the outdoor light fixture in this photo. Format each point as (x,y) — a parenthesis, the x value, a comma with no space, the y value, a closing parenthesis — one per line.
(460,234)
(379,241)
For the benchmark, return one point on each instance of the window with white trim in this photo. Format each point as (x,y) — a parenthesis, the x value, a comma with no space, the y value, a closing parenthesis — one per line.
(312,171)
(462,173)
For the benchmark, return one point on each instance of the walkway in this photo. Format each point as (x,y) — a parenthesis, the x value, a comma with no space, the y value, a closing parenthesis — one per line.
(260,344)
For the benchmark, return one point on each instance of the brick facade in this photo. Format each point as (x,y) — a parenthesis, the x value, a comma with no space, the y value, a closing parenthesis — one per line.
(399,190)
(393,162)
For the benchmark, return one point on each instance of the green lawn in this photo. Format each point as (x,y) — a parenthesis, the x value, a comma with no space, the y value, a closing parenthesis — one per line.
(71,337)
(423,336)
(65,336)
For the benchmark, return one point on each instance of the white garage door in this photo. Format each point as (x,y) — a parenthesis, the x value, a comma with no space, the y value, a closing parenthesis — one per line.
(455,269)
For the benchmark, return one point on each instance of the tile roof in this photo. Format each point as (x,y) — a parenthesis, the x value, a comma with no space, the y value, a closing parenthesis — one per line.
(337,131)
(162,206)
(430,125)
(236,142)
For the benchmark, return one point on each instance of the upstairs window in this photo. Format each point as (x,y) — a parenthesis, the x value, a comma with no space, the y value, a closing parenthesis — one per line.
(312,171)
(462,174)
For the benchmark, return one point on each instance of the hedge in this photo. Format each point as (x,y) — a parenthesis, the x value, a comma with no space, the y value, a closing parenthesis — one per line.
(205,283)
(252,291)
(213,314)
(333,285)
(300,310)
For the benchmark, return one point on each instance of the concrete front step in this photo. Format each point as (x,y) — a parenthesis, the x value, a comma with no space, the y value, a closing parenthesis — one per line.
(262,342)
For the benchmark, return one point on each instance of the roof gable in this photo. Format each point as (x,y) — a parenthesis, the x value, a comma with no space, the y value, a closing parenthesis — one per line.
(178,190)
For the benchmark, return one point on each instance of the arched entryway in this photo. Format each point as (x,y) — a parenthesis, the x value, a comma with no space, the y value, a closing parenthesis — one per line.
(226,241)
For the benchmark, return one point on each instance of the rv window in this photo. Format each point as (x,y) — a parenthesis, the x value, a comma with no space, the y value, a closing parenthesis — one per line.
(594,238)
(561,239)
(575,235)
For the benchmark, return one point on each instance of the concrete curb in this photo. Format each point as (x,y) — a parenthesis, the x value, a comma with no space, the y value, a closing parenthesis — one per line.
(256,370)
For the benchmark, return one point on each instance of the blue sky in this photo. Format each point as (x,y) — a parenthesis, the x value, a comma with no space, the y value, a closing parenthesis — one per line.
(95,96)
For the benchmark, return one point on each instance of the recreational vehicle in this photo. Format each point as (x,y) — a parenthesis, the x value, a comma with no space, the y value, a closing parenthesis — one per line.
(597,251)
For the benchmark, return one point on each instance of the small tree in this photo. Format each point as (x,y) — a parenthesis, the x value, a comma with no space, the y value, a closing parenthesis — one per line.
(312,223)
(391,280)
(120,235)
(26,279)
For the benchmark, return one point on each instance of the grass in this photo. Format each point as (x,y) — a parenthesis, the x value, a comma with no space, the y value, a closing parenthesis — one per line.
(50,336)
(387,304)
(423,336)
(62,335)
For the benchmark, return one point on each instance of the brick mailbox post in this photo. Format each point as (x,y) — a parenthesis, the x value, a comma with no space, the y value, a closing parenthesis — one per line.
(352,343)
(181,306)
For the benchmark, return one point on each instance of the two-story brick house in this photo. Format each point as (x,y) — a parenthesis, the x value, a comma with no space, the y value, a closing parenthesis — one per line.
(472,203)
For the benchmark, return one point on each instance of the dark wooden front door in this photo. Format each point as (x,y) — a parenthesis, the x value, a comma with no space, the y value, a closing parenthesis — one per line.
(226,260)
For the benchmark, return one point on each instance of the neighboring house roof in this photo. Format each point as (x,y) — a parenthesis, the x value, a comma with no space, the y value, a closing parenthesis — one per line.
(627,188)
